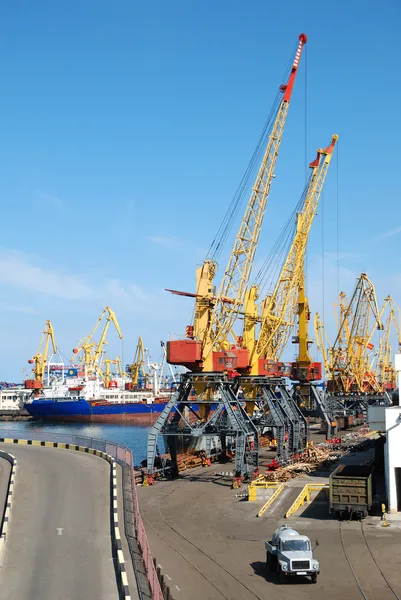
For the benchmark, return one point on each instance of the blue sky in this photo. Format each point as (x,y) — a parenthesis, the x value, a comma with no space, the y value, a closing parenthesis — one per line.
(126,127)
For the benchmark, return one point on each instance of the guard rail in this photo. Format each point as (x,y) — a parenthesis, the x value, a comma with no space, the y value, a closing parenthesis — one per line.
(304,496)
(273,497)
(260,484)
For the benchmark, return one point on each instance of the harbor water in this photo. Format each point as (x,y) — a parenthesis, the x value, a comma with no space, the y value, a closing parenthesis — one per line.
(128,435)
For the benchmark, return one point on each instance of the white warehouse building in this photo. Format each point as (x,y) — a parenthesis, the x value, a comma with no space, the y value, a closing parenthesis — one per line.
(388,419)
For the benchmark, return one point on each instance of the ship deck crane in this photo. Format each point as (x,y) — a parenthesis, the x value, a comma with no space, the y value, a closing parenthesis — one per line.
(107,374)
(138,364)
(92,350)
(39,360)
(87,342)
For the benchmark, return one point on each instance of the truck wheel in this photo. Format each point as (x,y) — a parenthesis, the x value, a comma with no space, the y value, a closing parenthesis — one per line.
(268,562)
(313,578)
(283,576)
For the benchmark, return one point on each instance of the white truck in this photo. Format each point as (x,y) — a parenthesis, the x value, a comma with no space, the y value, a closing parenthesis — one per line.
(290,553)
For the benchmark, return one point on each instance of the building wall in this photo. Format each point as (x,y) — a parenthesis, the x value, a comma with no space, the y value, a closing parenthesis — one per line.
(392,453)
(376,418)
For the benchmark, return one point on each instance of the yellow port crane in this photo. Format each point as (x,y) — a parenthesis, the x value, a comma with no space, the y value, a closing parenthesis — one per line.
(137,364)
(349,369)
(385,371)
(288,298)
(322,343)
(215,316)
(92,351)
(39,360)
(106,376)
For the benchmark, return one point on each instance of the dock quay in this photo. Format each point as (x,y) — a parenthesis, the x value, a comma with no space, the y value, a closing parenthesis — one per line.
(208,539)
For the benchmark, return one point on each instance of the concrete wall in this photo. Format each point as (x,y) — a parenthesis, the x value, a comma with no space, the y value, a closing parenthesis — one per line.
(392,453)
(376,418)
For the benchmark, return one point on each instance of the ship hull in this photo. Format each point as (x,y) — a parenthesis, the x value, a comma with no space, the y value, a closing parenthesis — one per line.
(81,411)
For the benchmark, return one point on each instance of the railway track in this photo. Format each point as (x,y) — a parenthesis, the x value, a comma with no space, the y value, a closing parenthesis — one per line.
(202,552)
(369,577)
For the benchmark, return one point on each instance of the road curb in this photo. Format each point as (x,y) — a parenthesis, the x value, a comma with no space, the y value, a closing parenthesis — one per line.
(7,512)
(115,530)
(117,537)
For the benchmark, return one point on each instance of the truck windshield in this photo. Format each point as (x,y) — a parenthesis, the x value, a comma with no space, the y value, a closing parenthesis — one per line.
(294,545)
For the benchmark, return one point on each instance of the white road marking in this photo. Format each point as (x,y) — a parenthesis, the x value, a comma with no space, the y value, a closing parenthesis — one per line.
(177,588)
(60,530)
(168,577)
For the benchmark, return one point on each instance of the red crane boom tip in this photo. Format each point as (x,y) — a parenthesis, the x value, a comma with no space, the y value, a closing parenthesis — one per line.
(303,38)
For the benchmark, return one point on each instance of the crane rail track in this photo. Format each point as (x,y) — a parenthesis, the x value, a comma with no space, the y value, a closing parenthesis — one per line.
(357,581)
(213,560)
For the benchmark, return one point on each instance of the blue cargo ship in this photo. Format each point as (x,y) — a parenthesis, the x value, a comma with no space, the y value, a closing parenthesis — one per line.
(97,411)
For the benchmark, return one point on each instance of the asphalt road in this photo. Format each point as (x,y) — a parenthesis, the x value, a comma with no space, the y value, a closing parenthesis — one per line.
(59,543)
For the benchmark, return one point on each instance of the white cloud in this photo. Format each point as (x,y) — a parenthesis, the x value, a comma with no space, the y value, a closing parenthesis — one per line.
(126,290)
(388,234)
(324,281)
(32,285)
(19,272)
(138,292)
(19,309)
(49,201)
(166,241)
(116,288)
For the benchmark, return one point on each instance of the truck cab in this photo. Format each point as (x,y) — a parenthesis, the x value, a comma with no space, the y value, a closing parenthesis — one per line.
(291,554)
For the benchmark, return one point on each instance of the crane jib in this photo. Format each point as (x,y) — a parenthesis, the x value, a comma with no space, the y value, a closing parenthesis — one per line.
(280,311)
(237,273)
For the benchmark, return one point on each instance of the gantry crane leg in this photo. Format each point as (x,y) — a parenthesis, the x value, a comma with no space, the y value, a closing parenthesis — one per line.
(280,422)
(280,411)
(226,419)
(297,420)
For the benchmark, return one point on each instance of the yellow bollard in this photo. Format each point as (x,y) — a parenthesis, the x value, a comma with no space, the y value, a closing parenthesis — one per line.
(384,520)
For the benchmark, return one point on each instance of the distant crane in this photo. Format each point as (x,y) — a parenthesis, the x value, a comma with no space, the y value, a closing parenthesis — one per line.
(106,376)
(92,351)
(348,360)
(322,342)
(385,371)
(39,360)
(136,368)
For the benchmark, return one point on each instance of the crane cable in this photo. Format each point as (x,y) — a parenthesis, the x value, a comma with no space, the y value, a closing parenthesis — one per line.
(216,248)
(306,162)
(338,223)
(226,226)
(267,275)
